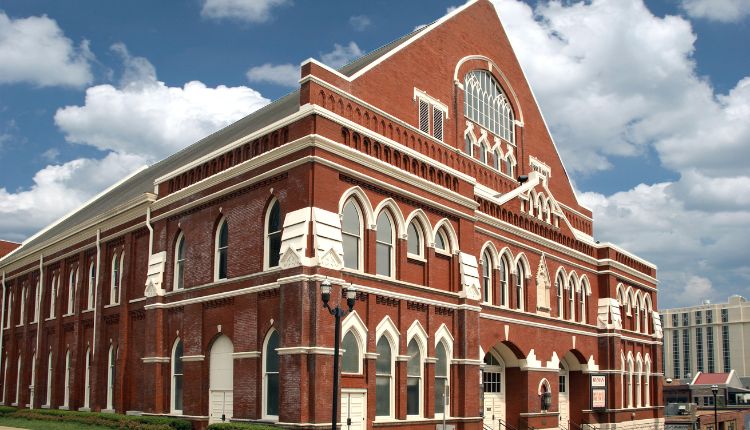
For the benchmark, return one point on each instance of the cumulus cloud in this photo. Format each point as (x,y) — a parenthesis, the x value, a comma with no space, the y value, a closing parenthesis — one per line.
(135,123)
(288,74)
(285,75)
(614,80)
(35,50)
(717,10)
(253,11)
(360,22)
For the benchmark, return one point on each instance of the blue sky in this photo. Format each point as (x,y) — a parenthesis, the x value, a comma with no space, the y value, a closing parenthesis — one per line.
(649,104)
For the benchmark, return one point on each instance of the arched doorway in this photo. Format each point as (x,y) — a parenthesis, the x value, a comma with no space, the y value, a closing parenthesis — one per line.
(221,385)
(493,387)
(563,395)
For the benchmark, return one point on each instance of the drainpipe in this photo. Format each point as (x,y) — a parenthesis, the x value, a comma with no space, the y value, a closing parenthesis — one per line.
(96,286)
(39,320)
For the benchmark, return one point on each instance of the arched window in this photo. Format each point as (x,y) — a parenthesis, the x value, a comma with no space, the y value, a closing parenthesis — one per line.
(114,290)
(637,316)
(22,310)
(520,280)
(638,384)
(441,241)
(221,252)
(504,271)
(10,309)
(441,379)
(485,103)
(483,152)
(414,379)
(66,396)
(92,287)
(384,245)
(5,376)
(509,164)
(468,144)
(179,262)
(111,375)
(52,296)
(486,277)
(351,231)
(584,292)
(415,240)
(36,301)
(271,376)
(647,380)
(572,300)
(559,283)
(18,381)
(383,378)
(351,359)
(86,382)
(630,382)
(177,353)
(273,234)
(50,365)
(72,291)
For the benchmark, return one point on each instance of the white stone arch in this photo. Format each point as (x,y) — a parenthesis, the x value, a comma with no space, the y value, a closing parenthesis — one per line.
(629,299)
(449,232)
(639,383)
(620,294)
(396,215)
(585,292)
(424,222)
(543,387)
(505,83)
(631,369)
(585,285)
(489,246)
(506,252)
(362,202)
(470,133)
(387,328)
(416,330)
(521,257)
(647,381)
(532,202)
(444,335)
(572,281)
(354,323)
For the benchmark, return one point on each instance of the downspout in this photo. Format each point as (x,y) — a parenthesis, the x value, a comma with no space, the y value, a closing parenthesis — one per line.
(39,320)
(96,287)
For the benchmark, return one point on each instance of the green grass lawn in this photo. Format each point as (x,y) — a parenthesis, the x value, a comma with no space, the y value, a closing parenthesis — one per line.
(46,425)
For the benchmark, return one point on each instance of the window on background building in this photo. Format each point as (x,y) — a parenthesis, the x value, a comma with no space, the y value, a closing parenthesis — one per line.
(698,317)
(725,348)
(92,287)
(350,359)
(725,315)
(273,234)
(486,277)
(415,240)
(384,245)
(271,376)
(179,262)
(686,370)
(699,348)
(177,353)
(221,260)
(486,104)
(441,379)
(414,379)
(383,378)
(710,351)
(676,354)
(685,319)
(675,320)
(351,232)
(709,316)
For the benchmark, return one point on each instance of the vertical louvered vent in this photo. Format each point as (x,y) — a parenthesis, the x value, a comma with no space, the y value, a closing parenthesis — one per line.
(424,116)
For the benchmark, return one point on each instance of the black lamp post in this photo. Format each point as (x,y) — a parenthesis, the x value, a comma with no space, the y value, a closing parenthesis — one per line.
(337,312)
(715,390)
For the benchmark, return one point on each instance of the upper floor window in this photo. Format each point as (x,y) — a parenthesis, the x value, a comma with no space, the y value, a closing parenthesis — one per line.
(384,245)
(486,104)
(273,234)
(415,240)
(520,279)
(351,234)
(486,277)
(114,291)
(179,263)
(92,286)
(441,242)
(72,290)
(222,251)
(430,110)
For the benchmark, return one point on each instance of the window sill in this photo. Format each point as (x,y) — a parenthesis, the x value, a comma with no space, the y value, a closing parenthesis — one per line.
(19,325)
(64,408)
(416,257)
(50,318)
(85,311)
(68,315)
(108,411)
(442,253)
(111,305)
(84,409)
(46,407)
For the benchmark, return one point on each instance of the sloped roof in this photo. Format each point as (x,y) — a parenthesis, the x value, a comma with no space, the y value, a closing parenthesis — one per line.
(711,378)
(143,181)
(369,58)
(6,247)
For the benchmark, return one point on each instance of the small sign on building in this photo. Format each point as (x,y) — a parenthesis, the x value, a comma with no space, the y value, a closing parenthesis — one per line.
(598,392)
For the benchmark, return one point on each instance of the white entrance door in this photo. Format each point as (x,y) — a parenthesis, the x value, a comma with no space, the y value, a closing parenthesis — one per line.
(354,408)
(563,405)
(493,384)
(221,394)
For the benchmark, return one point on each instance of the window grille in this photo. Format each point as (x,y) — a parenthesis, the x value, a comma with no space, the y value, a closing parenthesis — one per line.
(424,116)
(437,123)
(486,103)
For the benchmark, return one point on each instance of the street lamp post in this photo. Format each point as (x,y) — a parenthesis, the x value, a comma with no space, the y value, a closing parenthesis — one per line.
(337,312)
(715,391)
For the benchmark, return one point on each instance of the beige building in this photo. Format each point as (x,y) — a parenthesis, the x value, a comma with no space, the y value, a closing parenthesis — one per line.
(711,338)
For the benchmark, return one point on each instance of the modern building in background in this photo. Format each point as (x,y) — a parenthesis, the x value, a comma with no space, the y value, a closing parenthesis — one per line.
(708,338)
(423,175)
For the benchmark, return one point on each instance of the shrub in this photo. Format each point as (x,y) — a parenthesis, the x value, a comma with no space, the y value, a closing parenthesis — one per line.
(5,410)
(241,426)
(115,421)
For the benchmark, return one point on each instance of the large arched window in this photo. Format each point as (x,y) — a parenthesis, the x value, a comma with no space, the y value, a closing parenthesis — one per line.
(630,382)
(66,393)
(384,246)
(72,291)
(114,290)
(50,367)
(271,377)
(18,381)
(486,277)
(504,271)
(87,381)
(92,287)
(111,375)
(221,252)
(414,379)
(559,284)
(485,103)
(584,292)
(179,263)
(177,353)
(441,241)
(572,300)
(351,232)
(22,310)
(383,378)
(638,384)
(351,359)
(415,240)
(52,297)
(273,234)
(441,379)
(520,280)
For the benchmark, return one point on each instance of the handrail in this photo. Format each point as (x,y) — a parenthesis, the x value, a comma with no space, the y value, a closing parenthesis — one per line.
(504,424)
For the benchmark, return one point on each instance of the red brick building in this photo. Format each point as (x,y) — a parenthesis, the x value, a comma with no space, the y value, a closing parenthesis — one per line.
(192,287)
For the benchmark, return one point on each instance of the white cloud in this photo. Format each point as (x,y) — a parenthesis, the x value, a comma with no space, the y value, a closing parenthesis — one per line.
(136,123)
(254,11)
(34,50)
(717,10)
(613,80)
(145,116)
(360,22)
(286,75)
(341,55)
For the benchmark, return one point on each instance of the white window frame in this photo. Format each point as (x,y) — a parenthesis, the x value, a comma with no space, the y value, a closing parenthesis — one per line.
(115,284)
(173,375)
(559,289)
(8,310)
(217,250)
(264,392)
(267,234)
(392,245)
(66,393)
(36,300)
(50,370)
(353,323)
(444,237)
(18,381)
(72,282)
(443,336)
(92,286)
(420,240)
(178,282)
(421,343)
(53,295)
(504,283)
(391,388)
(360,239)
(22,309)
(572,299)
(520,285)
(111,364)
(87,381)
(487,277)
